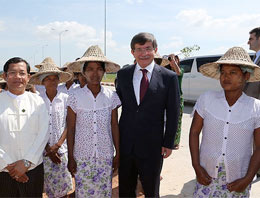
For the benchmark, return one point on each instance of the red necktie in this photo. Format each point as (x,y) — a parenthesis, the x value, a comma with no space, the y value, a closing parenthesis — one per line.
(144,84)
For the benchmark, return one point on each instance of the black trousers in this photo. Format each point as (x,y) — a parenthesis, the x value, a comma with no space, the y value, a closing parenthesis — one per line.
(148,170)
(9,187)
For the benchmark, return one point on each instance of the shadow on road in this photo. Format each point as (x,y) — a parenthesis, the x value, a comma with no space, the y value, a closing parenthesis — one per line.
(186,191)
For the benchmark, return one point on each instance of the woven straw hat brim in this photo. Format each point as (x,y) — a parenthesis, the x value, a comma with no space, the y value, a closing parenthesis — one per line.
(110,66)
(63,77)
(212,69)
(2,81)
(37,66)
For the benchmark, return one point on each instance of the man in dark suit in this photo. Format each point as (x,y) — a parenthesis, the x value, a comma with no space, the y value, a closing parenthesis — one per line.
(147,92)
(253,88)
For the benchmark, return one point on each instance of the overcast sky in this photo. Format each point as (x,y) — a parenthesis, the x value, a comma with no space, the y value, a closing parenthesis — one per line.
(30,28)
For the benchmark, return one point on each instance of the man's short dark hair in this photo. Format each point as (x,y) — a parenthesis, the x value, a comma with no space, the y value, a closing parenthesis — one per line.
(256,31)
(142,38)
(16,60)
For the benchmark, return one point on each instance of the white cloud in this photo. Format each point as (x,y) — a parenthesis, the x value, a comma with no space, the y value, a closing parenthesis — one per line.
(220,32)
(75,30)
(134,1)
(2,26)
(200,18)
(83,35)
(194,17)
(174,44)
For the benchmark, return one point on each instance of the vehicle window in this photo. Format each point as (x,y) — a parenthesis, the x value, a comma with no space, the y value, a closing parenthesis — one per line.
(186,65)
(204,60)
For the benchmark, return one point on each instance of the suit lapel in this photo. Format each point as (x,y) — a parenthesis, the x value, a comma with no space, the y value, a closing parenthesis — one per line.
(258,61)
(130,85)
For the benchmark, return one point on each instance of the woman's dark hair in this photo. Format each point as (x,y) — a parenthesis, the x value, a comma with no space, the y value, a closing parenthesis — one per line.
(16,60)
(142,38)
(158,61)
(3,85)
(101,63)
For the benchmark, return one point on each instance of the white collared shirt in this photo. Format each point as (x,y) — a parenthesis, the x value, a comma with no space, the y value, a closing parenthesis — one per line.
(23,132)
(62,88)
(57,110)
(137,77)
(227,132)
(93,135)
(257,54)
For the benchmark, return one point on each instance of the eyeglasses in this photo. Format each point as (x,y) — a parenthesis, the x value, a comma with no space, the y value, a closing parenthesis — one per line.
(141,50)
(14,73)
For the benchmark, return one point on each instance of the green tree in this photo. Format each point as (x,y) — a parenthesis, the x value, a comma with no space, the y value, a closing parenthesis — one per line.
(186,51)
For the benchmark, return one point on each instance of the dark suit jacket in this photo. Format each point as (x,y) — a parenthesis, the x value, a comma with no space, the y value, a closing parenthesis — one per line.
(142,126)
(253,88)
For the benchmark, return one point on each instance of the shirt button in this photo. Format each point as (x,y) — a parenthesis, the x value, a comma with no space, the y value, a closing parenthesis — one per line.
(227,122)
(225,138)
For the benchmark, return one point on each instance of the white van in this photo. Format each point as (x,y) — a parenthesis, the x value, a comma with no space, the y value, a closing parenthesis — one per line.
(194,83)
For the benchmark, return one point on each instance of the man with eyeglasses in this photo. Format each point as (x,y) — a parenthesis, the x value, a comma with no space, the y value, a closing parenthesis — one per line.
(146,91)
(23,134)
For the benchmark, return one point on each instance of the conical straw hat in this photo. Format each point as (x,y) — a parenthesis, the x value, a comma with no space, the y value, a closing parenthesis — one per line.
(65,66)
(93,53)
(43,62)
(33,71)
(164,61)
(234,56)
(2,81)
(48,66)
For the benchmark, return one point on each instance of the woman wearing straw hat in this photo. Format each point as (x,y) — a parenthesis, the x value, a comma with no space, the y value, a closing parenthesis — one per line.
(230,121)
(57,178)
(172,62)
(93,128)
(69,85)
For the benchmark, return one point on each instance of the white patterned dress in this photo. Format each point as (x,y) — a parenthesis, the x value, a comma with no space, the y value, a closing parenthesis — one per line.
(57,178)
(93,148)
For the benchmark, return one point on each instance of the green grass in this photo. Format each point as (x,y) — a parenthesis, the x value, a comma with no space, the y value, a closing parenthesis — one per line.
(109,78)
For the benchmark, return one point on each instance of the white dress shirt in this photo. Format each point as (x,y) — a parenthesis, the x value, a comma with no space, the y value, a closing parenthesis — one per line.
(62,88)
(23,132)
(57,110)
(137,77)
(227,132)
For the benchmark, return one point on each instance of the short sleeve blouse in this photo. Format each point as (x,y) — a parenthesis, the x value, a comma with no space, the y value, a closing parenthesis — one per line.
(93,135)
(227,132)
